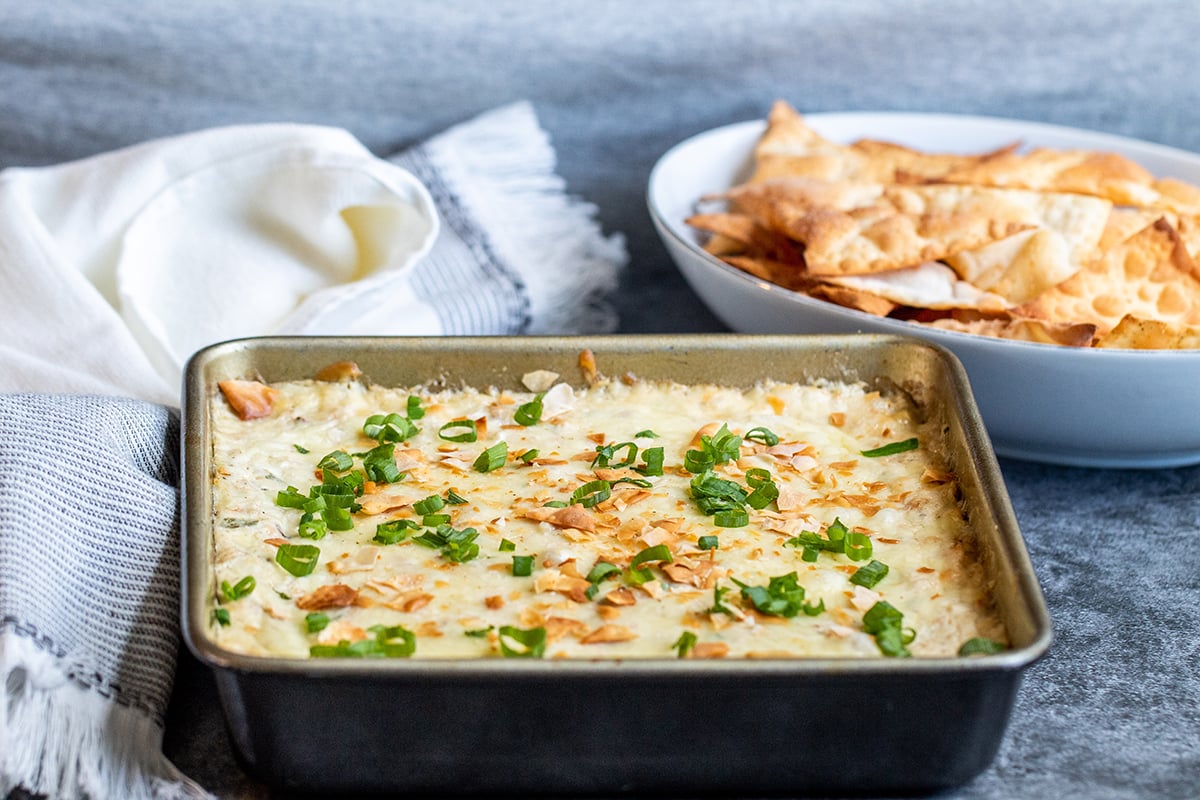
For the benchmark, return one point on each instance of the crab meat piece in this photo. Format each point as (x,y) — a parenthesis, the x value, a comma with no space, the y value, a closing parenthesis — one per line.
(609,633)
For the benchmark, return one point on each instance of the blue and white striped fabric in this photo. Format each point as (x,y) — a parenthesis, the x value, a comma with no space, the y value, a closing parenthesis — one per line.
(89,595)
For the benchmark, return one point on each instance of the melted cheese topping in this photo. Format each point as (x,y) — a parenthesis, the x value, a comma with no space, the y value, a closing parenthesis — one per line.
(905,503)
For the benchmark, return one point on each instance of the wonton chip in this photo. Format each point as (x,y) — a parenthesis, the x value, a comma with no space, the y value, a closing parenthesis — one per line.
(1070,247)
(1132,333)
(1024,330)
(928,285)
(789,148)
(1150,275)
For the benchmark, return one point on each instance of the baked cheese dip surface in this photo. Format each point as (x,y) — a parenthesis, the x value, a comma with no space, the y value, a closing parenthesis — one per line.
(631,518)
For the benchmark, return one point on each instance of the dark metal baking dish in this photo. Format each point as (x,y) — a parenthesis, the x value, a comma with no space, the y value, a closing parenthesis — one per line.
(795,726)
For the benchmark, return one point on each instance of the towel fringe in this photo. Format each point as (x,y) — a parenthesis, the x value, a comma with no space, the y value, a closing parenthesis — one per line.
(502,167)
(60,739)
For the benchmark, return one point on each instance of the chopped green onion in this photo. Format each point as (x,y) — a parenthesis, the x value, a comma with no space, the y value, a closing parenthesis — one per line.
(394,641)
(390,642)
(429,505)
(646,434)
(698,461)
(708,542)
(433,520)
(731,518)
(684,644)
(506,546)
(641,483)
(456,546)
(316,621)
(311,526)
(763,435)
(555,504)
(454,498)
(298,559)
(870,575)
(858,546)
(469,431)
(379,464)
(221,615)
(883,621)
(591,493)
(981,645)
(338,461)
(652,462)
(783,596)
(606,455)
(301,450)
(529,455)
(834,541)
(529,643)
(658,553)
(479,633)
(337,519)
(530,413)
(389,428)
(892,448)
(393,531)
(602,570)
(415,411)
(239,590)
(492,458)
(290,498)
(522,566)
(718,606)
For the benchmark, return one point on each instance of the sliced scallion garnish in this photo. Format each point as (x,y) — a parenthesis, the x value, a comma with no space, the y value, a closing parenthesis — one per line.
(763,435)
(238,590)
(394,531)
(429,505)
(389,428)
(684,644)
(522,566)
(492,458)
(298,559)
(892,448)
(981,646)
(591,493)
(529,413)
(869,575)
(522,642)
(469,432)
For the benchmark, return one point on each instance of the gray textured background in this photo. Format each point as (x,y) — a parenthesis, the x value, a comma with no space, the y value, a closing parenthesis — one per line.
(1113,712)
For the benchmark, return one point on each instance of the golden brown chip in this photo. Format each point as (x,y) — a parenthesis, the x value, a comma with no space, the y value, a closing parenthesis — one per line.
(1023,329)
(754,238)
(1019,268)
(1107,175)
(928,285)
(1150,275)
(853,298)
(1132,333)
(789,148)
(909,225)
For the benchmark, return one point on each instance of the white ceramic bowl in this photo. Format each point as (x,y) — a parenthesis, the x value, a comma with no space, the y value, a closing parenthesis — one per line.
(1083,407)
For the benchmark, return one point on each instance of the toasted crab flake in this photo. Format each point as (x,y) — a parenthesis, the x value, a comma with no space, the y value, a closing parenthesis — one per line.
(249,399)
(609,633)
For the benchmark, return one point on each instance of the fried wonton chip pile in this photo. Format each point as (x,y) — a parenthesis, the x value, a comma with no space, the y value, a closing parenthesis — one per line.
(1069,247)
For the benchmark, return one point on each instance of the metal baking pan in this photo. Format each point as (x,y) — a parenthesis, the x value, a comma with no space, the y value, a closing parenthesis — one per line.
(794,726)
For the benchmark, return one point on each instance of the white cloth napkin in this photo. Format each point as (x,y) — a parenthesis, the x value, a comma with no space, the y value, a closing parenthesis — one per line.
(114,270)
